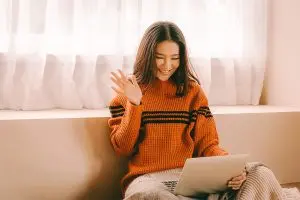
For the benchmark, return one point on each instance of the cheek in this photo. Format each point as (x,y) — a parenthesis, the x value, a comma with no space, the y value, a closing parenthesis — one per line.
(176,63)
(159,62)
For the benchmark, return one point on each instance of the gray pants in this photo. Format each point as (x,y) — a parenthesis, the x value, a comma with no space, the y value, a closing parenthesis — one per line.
(261,184)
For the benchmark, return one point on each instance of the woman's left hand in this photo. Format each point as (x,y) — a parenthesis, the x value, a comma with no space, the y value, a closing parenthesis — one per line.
(236,182)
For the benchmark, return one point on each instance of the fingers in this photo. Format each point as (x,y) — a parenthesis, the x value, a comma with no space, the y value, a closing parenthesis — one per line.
(118,83)
(236,182)
(235,185)
(122,82)
(238,178)
(236,188)
(123,77)
(117,90)
(118,78)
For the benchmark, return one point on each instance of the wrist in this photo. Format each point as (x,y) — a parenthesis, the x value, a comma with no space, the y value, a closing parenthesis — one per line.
(135,103)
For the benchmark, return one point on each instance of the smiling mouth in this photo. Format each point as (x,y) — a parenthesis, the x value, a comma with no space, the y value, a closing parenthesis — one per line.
(165,72)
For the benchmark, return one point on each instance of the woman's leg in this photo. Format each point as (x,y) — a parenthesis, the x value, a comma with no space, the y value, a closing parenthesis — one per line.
(148,188)
(261,184)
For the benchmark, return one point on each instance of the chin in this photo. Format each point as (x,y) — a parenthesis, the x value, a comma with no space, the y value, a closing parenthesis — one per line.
(163,78)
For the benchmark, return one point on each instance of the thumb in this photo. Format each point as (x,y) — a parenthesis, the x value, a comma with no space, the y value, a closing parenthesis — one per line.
(134,80)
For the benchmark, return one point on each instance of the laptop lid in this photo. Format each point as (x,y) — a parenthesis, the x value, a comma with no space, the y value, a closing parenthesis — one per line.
(209,174)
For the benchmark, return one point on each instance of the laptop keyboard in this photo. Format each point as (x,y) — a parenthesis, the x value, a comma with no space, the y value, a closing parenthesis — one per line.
(170,185)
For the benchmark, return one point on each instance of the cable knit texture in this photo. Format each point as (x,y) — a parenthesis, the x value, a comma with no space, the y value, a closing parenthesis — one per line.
(176,128)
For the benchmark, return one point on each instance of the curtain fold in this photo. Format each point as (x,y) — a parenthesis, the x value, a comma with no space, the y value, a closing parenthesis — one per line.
(59,53)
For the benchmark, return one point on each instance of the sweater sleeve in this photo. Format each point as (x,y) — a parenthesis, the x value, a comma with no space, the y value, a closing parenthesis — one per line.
(124,124)
(205,133)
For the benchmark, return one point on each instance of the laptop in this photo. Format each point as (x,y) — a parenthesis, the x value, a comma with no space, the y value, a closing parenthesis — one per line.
(208,175)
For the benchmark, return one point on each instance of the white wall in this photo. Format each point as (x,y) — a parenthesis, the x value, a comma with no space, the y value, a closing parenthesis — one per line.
(283,82)
(61,158)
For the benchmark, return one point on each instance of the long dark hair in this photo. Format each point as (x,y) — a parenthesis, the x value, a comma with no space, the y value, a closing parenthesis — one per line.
(145,65)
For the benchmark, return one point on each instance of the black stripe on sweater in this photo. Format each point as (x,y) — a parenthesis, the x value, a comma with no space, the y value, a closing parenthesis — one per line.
(166,116)
(205,111)
(115,107)
(117,115)
(117,111)
(165,112)
(169,121)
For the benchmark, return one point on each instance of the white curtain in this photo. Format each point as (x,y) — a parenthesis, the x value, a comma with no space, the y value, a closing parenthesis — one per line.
(59,53)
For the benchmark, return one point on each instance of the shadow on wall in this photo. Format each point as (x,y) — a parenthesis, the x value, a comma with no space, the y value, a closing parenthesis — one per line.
(107,168)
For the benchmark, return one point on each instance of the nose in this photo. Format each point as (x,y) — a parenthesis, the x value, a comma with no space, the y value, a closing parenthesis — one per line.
(168,64)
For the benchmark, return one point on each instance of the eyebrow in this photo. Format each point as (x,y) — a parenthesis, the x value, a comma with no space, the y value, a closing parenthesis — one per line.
(164,55)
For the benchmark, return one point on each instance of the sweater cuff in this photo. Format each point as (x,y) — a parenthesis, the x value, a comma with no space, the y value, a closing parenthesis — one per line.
(134,111)
(216,151)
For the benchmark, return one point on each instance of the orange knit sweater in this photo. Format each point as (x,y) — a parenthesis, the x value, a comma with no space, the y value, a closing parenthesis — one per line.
(176,128)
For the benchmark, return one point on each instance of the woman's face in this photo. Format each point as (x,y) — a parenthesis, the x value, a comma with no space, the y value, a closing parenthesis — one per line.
(167,59)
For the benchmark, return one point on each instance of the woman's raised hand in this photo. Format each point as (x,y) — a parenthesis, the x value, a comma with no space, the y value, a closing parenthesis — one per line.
(128,87)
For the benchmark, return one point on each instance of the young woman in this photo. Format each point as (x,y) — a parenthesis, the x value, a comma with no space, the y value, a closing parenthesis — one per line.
(161,117)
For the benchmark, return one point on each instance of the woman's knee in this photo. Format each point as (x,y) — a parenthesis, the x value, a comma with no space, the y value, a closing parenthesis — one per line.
(262,174)
(262,178)
(142,195)
(152,195)
(148,191)
(261,183)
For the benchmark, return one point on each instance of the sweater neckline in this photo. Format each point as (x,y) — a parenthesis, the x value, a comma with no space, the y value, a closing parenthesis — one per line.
(167,87)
